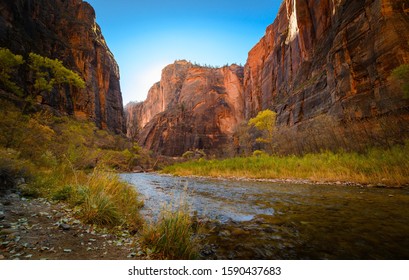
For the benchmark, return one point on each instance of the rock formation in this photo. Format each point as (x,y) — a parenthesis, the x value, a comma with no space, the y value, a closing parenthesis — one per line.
(329,56)
(66,30)
(192,107)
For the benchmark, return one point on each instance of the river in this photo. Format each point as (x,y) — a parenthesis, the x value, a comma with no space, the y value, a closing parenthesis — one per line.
(263,220)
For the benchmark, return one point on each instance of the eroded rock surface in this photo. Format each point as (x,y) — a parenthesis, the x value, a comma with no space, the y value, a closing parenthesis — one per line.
(329,56)
(192,107)
(67,30)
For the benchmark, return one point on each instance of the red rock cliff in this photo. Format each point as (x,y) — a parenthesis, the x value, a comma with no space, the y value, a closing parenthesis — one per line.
(329,56)
(66,29)
(192,107)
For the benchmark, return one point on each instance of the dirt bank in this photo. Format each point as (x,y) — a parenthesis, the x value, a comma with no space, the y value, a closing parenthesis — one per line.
(39,229)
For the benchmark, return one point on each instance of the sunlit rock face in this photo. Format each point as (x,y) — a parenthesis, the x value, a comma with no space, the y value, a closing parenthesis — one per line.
(66,29)
(329,57)
(192,107)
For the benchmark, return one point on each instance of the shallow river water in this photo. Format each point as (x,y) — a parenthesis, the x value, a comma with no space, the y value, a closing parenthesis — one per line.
(262,220)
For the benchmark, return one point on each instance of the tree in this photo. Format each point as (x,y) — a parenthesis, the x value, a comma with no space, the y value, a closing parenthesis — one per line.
(51,72)
(401,76)
(265,123)
(9,64)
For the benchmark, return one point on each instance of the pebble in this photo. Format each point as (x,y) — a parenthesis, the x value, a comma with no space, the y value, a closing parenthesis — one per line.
(14,195)
(65,227)
(59,215)
(225,233)
(6,225)
(67,250)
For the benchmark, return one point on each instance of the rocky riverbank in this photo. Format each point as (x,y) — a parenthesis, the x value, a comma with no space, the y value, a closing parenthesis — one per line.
(36,229)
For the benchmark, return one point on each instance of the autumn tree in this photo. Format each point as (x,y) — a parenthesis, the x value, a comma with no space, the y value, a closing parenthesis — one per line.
(265,123)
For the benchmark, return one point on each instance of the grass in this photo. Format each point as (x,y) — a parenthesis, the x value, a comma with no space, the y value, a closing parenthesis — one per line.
(100,197)
(376,166)
(109,201)
(173,235)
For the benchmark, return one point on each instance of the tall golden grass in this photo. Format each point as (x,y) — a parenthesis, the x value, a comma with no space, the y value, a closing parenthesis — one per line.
(173,235)
(376,166)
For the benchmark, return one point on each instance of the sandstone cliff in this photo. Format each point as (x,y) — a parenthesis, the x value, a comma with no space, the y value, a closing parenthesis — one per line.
(192,107)
(325,57)
(66,29)
(329,56)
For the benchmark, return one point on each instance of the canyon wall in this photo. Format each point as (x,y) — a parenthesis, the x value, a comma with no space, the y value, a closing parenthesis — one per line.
(329,57)
(192,107)
(319,57)
(66,30)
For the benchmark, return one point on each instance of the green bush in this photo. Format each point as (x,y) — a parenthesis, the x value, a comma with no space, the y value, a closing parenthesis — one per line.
(9,64)
(401,76)
(51,72)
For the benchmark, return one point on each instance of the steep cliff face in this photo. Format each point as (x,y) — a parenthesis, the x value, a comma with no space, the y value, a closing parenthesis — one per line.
(66,29)
(192,107)
(329,56)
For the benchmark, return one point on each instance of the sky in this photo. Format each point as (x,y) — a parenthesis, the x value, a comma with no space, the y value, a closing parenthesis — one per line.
(147,35)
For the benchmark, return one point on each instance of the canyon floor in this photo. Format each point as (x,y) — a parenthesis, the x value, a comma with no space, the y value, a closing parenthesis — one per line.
(37,229)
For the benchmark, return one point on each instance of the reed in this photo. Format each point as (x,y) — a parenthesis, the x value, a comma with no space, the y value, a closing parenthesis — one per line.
(376,166)
(173,235)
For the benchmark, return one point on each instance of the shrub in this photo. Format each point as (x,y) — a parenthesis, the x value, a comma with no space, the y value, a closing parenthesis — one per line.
(188,155)
(400,75)
(51,72)
(12,167)
(258,153)
(9,64)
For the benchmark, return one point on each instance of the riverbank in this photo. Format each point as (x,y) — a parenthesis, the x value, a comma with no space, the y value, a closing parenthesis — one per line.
(35,229)
(377,168)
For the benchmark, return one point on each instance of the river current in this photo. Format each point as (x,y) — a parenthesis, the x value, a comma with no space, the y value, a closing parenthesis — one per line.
(263,220)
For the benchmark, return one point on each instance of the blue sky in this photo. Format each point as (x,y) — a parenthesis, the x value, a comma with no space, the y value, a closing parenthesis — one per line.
(147,35)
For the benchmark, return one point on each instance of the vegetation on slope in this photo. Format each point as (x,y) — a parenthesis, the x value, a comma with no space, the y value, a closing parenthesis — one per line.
(67,160)
(64,159)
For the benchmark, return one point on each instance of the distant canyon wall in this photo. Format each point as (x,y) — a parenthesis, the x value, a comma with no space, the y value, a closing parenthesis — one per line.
(192,107)
(66,30)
